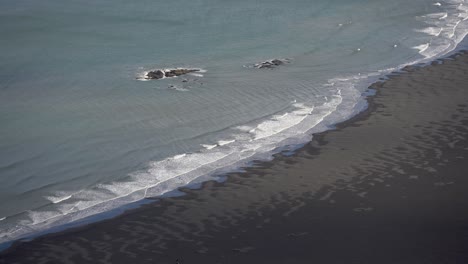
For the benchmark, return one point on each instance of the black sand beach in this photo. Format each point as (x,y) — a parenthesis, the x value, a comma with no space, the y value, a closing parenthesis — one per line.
(388,186)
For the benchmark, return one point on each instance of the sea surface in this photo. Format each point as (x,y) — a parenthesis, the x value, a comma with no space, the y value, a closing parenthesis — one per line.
(81,133)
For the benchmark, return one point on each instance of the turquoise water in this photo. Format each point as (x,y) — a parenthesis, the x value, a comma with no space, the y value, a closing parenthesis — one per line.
(81,134)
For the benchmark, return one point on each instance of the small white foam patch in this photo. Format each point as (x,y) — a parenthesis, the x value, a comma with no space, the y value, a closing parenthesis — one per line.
(206,146)
(422,47)
(178,88)
(454,26)
(196,74)
(59,197)
(464,10)
(433,31)
(439,15)
(2,218)
(347,23)
(244,128)
(142,76)
(280,123)
(179,156)
(225,142)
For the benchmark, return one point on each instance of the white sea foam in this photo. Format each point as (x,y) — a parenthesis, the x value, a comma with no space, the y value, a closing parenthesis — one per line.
(280,123)
(179,156)
(58,199)
(178,88)
(196,74)
(168,174)
(209,146)
(440,15)
(433,31)
(244,128)
(37,217)
(422,47)
(141,76)
(225,142)
(464,12)
(447,29)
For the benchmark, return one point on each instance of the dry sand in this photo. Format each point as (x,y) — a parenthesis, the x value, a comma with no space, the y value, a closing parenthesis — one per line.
(388,186)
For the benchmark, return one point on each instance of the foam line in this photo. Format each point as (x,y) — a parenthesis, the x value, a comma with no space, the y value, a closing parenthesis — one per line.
(422,47)
(55,199)
(206,146)
(225,142)
(433,31)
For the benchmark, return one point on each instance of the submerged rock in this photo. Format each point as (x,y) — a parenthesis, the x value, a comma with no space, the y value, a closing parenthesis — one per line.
(159,74)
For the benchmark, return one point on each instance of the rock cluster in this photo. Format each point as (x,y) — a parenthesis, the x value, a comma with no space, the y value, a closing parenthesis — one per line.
(170,73)
(159,74)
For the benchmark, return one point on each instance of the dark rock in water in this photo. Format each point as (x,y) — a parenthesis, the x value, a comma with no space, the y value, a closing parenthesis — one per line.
(264,65)
(270,64)
(277,62)
(155,74)
(178,72)
(170,74)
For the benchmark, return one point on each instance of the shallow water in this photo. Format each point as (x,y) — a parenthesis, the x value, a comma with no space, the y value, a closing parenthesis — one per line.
(81,135)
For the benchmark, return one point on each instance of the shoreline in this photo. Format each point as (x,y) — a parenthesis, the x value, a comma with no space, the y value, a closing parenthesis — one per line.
(198,183)
(318,140)
(361,106)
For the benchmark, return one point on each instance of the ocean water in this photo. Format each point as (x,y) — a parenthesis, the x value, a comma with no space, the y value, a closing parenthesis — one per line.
(82,134)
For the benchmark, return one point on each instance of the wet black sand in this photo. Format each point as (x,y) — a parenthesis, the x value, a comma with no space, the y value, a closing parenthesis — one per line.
(388,186)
